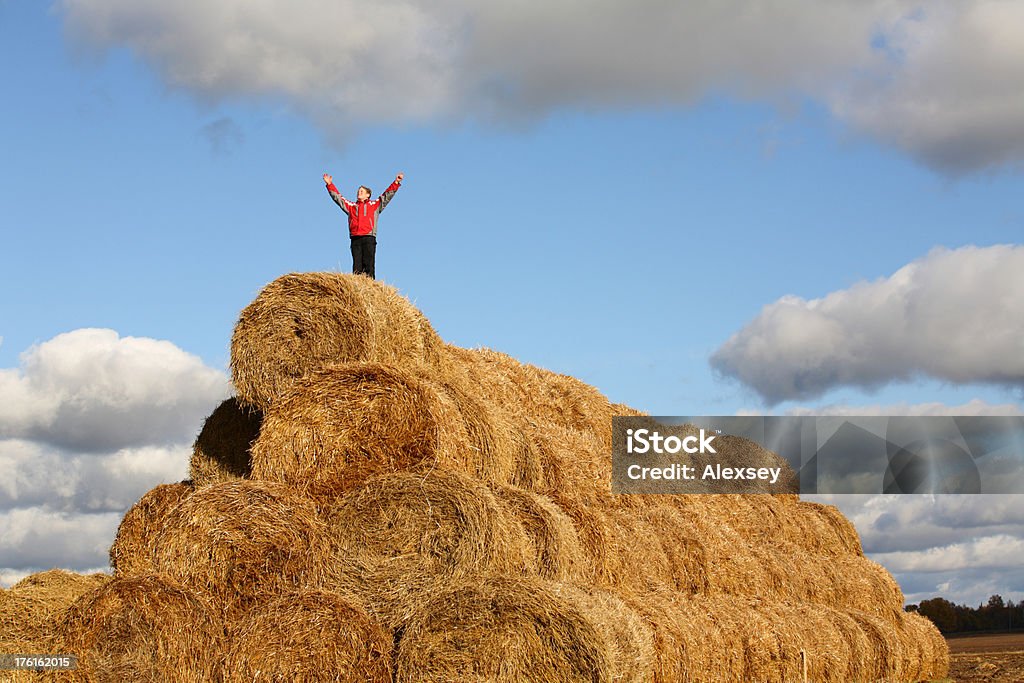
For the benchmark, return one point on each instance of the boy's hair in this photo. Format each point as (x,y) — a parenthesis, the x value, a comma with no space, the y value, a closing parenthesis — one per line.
(369,193)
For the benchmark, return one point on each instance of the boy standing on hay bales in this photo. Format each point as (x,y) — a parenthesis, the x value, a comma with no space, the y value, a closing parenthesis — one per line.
(362,221)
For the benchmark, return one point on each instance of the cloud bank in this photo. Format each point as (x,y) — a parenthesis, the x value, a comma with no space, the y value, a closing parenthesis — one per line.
(962,548)
(953,315)
(937,80)
(90,421)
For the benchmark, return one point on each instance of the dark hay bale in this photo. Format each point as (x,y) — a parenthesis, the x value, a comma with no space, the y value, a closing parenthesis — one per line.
(302,322)
(221,451)
(342,424)
(501,629)
(411,532)
(239,541)
(132,551)
(29,609)
(308,637)
(141,628)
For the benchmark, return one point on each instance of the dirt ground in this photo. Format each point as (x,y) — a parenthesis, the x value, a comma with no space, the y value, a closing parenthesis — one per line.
(990,658)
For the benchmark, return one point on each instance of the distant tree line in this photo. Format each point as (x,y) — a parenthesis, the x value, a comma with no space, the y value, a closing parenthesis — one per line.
(995,615)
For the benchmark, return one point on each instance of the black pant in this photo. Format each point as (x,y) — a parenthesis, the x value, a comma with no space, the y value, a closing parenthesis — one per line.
(364,249)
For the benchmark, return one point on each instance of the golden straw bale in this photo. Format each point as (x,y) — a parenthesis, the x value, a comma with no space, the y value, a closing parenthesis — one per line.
(342,424)
(411,531)
(238,541)
(501,629)
(221,451)
(30,607)
(302,322)
(932,646)
(628,638)
(627,411)
(888,646)
(594,535)
(308,637)
(573,461)
(730,564)
(659,609)
(132,551)
(556,545)
(683,546)
(844,538)
(503,453)
(141,628)
(539,393)
(787,636)
(637,558)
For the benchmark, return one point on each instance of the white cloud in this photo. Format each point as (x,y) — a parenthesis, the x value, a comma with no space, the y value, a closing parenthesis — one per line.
(974,407)
(37,474)
(88,423)
(953,315)
(951,93)
(91,390)
(963,548)
(938,82)
(978,553)
(39,538)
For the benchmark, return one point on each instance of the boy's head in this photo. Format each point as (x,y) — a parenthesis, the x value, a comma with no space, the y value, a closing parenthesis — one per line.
(363,193)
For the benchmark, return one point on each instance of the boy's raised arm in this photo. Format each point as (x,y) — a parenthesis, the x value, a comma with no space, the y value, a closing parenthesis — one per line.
(386,196)
(335,195)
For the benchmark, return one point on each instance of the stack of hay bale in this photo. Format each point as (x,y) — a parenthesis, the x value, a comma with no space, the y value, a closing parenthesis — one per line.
(377,505)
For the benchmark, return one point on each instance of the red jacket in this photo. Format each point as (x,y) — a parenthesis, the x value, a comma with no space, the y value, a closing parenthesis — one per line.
(362,215)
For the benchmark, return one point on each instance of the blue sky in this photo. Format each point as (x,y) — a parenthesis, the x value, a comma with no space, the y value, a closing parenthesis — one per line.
(616,221)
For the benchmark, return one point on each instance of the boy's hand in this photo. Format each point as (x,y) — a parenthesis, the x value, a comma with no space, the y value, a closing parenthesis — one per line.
(399,177)
(328,179)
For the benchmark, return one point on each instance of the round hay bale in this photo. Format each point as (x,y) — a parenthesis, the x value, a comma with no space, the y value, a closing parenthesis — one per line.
(682,545)
(573,461)
(933,648)
(308,637)
(888,655)
(627,411)
(301,322)
(844,538)
(502,452)
(412,531)
(141,628)
(338,426)
(221,451)
(627,637)
(637,557)
(132,551)
(595,537)
(30,607)
(501,629)
(556,546)
(660,611)
(239,541)
(539,393)
(730,564)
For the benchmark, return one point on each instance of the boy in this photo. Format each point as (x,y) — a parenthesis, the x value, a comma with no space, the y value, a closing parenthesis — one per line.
(362,221)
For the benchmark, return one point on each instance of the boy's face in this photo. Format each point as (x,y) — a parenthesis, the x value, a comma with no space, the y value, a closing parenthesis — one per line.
(362,194)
